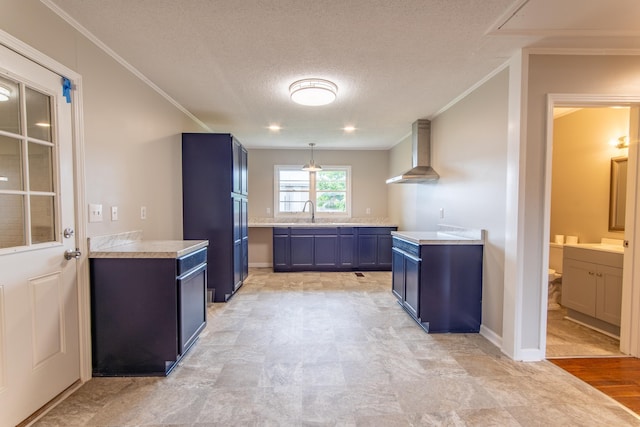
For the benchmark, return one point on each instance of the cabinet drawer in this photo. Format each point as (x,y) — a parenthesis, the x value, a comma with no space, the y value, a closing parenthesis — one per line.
(376,230)
(280,230)
(191,260)
(304,231)
(407,247)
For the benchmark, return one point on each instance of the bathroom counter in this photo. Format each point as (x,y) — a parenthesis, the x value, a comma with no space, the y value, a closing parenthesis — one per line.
(603,247)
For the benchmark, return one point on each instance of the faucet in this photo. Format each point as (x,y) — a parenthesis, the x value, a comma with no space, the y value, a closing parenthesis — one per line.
(312,210)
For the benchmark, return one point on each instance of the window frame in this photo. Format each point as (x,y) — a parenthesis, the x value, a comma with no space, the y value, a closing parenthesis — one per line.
(312,192)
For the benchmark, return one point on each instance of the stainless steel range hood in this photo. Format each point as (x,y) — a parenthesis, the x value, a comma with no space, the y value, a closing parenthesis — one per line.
(421,156)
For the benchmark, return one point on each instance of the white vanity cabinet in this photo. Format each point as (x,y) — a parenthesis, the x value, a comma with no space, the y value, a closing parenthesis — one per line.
(592,286)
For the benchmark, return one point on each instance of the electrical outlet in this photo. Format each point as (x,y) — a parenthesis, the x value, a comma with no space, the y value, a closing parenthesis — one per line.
(268,211)
(368,211)
(143,212)
(95,212)
(441,213)
(114,213)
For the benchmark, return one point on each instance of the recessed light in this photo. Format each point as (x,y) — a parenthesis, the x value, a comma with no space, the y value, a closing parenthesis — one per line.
(349,128)
(274,127)
(313,92)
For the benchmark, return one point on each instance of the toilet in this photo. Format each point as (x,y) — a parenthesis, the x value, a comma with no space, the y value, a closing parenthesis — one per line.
(555,276)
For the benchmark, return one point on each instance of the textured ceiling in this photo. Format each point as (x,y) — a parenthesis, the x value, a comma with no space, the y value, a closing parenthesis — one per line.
(230,62)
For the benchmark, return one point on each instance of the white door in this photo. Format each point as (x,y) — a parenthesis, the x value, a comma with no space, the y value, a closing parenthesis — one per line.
(39,338)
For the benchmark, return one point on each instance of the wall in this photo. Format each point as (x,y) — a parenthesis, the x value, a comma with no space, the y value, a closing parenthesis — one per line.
(581,171)
(551,74)
(469,143)
(369,170)
(402,195)
(131,134)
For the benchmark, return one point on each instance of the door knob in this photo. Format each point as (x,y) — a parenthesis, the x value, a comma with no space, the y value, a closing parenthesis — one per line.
(69,254)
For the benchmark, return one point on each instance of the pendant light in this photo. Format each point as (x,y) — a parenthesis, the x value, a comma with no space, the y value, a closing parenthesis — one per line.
(311,166)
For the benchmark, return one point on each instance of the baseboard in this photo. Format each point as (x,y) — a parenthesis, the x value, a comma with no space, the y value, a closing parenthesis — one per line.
(260,265)
(530,355)
(490,335)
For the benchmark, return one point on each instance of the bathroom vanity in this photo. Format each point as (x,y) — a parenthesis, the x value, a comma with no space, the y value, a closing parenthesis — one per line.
(592,285)
(437,278)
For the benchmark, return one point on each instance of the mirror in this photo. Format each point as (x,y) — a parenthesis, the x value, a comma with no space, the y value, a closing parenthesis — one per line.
(617,194)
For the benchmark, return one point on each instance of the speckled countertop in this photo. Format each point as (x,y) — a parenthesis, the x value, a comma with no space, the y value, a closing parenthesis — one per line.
(299,222)
(131,245)
(446,235)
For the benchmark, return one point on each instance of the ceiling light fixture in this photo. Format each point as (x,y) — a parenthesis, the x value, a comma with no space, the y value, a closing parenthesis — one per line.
(313,92)
(311,166)
(5,93)
(274,128)
(349,129)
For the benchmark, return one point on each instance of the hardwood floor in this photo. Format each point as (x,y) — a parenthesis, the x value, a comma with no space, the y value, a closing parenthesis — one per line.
(617,377)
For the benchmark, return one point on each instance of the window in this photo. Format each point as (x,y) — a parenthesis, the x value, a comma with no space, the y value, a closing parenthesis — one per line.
(329,190)
(28,196)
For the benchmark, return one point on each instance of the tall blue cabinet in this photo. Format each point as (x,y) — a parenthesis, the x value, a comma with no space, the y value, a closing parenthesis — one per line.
(215,208)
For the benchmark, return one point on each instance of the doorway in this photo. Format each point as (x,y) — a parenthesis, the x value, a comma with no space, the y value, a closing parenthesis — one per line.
(584,311)
(44,319)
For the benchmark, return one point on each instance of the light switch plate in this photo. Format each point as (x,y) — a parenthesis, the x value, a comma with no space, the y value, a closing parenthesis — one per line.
(95,212)
(114,213)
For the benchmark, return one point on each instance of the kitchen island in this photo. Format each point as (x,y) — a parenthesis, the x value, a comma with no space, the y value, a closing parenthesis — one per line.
(437,277)
(148,302)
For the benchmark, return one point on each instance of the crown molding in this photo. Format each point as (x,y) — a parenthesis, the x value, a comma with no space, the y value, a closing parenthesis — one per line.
(133,70)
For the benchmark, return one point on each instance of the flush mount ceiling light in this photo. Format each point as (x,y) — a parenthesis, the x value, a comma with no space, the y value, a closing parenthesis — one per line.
(313,92)
(311,166)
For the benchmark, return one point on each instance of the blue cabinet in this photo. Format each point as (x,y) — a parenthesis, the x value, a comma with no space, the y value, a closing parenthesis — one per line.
(281,249)
(146,312)
(439,285)
(331,248)
(301,251)
(346,248)
(374,248)
(214,198)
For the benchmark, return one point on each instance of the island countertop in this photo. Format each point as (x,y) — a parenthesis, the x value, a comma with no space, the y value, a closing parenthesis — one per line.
(454,237)
(131,245)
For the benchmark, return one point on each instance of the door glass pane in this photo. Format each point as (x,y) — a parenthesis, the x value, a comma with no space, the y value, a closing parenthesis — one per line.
(9,106)
(12,232)
(40,167)
(42,219)
(10,164)
(38,115)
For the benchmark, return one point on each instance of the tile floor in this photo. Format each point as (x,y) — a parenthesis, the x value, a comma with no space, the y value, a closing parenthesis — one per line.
(569,339)
(316,349)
